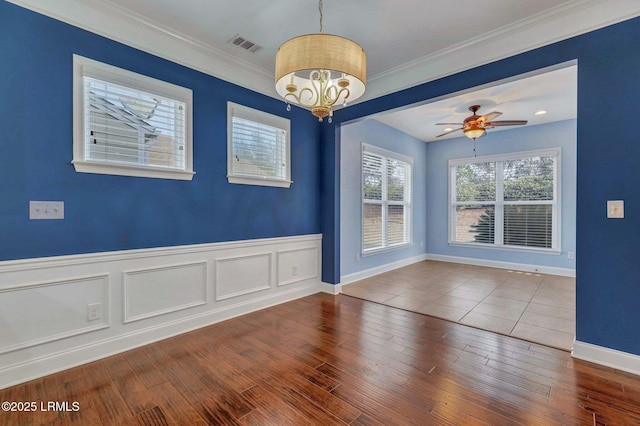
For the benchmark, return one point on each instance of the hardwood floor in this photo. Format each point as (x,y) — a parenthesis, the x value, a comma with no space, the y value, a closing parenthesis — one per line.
(331,360)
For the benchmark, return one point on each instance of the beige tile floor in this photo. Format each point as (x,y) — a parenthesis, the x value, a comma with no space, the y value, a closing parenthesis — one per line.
(531,306)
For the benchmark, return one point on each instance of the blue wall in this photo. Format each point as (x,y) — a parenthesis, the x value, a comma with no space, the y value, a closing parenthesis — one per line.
(103,212)
(607,260)
(561,135)
(375,133)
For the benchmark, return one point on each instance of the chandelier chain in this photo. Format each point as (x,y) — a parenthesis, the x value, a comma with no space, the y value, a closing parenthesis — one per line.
(320,9)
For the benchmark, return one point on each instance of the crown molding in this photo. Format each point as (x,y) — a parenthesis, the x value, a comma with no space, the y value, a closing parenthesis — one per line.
(112,21)
(559,23)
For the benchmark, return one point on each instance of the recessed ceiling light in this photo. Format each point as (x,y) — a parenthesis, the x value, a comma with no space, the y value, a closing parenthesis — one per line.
(541,112)
(448,129)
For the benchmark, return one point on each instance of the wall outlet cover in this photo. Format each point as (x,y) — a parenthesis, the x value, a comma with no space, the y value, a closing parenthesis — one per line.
(615,209)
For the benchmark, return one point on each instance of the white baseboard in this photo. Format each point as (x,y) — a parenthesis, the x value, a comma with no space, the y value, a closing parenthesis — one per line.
(357,276)
(565,272)
(185,282)
(333,289)
(608,357)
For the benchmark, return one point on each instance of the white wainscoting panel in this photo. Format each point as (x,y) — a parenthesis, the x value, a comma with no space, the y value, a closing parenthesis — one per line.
(139,297)
(35,313)
(297,265)
(240,275)
(156,291)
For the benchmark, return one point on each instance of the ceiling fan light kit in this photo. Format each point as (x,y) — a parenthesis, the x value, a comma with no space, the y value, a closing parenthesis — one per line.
(317,71)
(474,132)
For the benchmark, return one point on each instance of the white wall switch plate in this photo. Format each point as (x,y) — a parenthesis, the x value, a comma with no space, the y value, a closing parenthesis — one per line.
(615,209)
(46,209)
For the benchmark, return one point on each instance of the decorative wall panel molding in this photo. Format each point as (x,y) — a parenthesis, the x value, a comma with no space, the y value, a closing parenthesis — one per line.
(36,313)
(240,275)
(298,265)
(156,291)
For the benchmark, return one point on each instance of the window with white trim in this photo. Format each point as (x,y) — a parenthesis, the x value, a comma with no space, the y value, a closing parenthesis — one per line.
(510,201)
(386,199)
(258,147)
(129,124)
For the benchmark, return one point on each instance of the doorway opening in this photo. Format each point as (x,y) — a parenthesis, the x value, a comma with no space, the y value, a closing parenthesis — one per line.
(412,131)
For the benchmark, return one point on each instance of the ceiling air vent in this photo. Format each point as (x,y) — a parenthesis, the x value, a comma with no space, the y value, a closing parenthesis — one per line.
(245,44)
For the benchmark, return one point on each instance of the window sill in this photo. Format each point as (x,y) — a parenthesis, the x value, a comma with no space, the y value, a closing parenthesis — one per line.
(244,180)
(507,248)
(394,247)
(123,170)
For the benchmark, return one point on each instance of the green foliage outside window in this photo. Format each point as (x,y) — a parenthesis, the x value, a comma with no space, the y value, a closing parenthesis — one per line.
(524,181)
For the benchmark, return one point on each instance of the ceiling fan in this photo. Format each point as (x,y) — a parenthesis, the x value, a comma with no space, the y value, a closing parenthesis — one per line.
(474,126)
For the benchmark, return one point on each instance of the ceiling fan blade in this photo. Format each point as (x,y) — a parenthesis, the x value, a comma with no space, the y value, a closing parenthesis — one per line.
(447,124)
(505,123)
(489,116)
(450,131)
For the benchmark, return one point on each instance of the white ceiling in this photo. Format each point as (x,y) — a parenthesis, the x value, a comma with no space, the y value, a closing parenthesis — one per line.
(407,42)
(391,32)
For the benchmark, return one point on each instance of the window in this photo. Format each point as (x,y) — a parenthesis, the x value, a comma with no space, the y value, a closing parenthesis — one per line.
(506,201)
(386,199)
(257,147)
(129,124)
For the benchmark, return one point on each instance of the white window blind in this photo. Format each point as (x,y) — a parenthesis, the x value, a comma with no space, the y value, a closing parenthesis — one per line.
(372,218)
(130,124)
(475,198)
(258,147)
(529,201)
(386,199)
(510,201)
(126,126)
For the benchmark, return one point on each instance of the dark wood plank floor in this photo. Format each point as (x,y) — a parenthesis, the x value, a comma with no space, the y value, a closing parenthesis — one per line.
(334,360)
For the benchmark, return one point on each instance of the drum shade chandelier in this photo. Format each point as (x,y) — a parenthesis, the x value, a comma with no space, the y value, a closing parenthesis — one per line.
(318,71)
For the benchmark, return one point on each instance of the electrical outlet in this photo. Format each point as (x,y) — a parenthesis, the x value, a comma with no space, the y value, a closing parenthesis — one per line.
(294,270)
(46,210)
(94,311)
(571,255)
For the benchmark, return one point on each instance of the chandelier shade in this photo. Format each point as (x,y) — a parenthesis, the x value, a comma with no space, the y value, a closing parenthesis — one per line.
(318,71)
